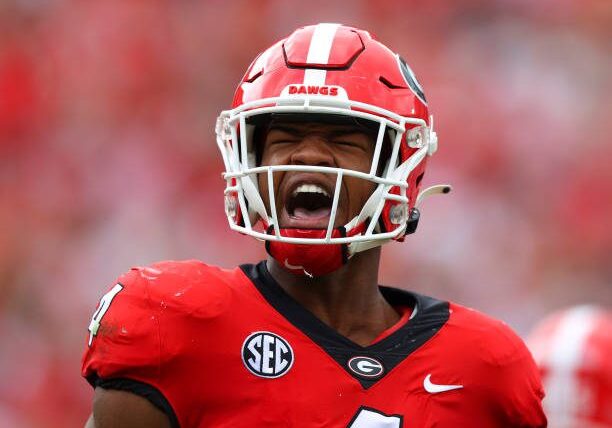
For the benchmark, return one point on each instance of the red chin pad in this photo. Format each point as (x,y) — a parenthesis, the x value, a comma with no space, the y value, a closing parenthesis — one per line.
(311,259)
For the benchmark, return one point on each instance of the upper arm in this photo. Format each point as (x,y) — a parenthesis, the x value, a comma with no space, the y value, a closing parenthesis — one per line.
(517,382)
(114,408)
(502,371)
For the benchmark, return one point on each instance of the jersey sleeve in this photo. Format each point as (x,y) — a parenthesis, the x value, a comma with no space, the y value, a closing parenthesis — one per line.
(123,340)
(147,333)
(518,383)
(511,378)
(498,368)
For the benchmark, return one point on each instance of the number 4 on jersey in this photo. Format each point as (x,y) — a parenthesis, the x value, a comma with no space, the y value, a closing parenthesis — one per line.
(103,306)
(370,418)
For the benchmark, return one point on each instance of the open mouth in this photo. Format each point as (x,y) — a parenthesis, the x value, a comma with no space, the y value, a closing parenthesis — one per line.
(309,206)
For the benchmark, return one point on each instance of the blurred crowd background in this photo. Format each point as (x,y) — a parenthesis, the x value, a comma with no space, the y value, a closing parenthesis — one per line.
(108,159)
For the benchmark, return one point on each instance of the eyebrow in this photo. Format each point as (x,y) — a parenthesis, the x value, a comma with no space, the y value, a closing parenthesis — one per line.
(335,132)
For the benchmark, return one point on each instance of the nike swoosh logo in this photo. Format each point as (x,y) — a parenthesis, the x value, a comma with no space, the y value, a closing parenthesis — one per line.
(293,267)
(434,388)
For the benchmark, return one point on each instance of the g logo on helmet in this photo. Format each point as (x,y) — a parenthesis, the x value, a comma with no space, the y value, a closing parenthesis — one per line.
(267,354)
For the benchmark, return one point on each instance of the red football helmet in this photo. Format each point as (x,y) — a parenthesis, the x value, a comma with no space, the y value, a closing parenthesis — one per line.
(573,349)
(340,71)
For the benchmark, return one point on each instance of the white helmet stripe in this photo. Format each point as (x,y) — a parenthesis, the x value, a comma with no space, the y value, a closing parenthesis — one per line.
(318,52)
(565,356)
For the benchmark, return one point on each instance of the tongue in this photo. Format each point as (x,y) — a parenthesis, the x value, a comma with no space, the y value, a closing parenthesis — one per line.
(322,212)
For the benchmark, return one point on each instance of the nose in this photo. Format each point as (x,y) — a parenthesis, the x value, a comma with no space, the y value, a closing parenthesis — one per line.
(313,150)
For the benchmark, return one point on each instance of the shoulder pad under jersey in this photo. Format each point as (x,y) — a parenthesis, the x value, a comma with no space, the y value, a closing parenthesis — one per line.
(138,324)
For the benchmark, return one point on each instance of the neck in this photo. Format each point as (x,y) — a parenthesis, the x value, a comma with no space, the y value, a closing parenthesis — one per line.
(348,299)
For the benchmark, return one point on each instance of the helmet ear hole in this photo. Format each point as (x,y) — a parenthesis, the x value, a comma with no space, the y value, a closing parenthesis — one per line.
(259,138)
(385,155)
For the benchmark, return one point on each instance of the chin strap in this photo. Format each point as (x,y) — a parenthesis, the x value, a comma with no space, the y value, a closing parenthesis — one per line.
(309,259)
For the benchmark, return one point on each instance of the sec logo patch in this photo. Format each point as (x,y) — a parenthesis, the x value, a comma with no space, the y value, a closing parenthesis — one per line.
(267,354)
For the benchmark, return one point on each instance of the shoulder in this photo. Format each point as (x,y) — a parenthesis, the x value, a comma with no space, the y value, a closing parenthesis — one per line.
(471,334)
(171,276)
(492,340)
(133,322)
(165,292)
(472,337)
(487,348)
(179,286)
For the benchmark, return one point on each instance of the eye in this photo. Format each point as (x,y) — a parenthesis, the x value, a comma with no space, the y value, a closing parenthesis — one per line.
(344,143)
(280,142)
(278,137)
(350,144)
(352,141)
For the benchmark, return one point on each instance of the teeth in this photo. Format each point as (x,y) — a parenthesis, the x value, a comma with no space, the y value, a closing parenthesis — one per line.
(310,188)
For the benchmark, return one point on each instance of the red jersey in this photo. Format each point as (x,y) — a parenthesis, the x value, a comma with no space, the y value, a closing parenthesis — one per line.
(229,348)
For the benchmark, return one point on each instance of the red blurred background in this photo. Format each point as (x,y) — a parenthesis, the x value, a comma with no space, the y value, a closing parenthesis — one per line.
(108,159)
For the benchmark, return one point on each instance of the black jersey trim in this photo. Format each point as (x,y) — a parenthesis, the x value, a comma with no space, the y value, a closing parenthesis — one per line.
(431,314)
(142,389)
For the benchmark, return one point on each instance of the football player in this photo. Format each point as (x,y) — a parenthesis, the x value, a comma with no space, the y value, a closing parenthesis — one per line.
(573,348)
(324,149)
